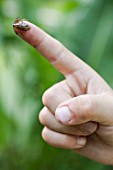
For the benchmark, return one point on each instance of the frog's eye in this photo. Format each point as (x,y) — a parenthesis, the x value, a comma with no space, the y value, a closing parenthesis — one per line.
(24,24)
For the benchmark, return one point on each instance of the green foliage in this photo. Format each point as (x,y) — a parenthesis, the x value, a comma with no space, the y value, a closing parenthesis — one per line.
(84,27)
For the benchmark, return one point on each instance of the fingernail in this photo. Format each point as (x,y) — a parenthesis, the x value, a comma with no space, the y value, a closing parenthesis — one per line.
(63,114)
(81,141)
(89,127)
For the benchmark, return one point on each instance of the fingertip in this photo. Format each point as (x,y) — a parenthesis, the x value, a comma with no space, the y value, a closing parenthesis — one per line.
(41,116)
(29,32)
(81,142)
(44,134)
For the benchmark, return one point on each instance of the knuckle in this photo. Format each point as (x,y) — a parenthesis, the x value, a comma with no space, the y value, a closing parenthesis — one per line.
(48,96)
(57,51)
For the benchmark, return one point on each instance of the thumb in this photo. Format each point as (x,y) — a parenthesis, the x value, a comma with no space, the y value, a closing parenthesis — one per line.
(84,108)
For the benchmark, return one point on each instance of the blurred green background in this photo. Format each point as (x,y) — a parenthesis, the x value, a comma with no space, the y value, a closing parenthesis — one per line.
(83,26)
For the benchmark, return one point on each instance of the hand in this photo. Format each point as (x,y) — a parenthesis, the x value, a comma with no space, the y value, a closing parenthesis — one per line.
(83,97)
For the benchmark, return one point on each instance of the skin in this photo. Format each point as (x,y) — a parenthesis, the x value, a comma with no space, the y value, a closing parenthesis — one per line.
(78,112)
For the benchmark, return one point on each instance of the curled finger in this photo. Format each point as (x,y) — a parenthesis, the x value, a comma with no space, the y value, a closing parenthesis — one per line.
(48,120)
(63,140)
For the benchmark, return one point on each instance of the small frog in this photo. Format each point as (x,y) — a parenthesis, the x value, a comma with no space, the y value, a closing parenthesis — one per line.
(20,24)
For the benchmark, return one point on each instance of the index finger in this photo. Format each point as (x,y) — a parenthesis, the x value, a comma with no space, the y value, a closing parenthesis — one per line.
(62,59)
